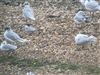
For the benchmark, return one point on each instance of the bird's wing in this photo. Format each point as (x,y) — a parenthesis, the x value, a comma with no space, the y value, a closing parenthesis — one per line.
(28,12)
(32,28)
(13,36)
(17,37)
(8,37)
(92,4)
(81,39)
(29,28)
(9,47)
(79,18)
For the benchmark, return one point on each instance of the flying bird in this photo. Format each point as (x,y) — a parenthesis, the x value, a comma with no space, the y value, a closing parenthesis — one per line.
(82,39)
(28,12)
(7,47)
(11,36)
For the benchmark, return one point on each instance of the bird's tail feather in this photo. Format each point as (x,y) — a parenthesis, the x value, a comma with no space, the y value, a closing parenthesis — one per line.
(23,40)
(93,39)
(99,7)
(33,18)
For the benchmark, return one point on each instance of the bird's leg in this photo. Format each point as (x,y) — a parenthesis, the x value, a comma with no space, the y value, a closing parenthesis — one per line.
(78,48)
(92,14)
(30,22)
(78,25)
(26,20)
(91,44)
(82,47)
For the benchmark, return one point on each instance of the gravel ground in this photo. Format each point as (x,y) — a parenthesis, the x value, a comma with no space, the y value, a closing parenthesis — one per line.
(54,39)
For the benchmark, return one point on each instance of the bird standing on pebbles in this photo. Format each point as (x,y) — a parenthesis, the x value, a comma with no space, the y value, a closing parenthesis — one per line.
(82,39)
(11,36)
(83,2)
(80,18)
(28,11)
(7,47)
(29,29)
(92,6)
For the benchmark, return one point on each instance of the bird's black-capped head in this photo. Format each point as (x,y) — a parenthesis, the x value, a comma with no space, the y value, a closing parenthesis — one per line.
(7,28)
(26,3)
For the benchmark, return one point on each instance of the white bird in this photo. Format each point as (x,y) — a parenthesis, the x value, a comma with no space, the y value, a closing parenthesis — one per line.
(29,28)
(81,17)
(82,2)
(30,73)
(28,11)
(11,36)
(92,5)
(82,39)
(7,47)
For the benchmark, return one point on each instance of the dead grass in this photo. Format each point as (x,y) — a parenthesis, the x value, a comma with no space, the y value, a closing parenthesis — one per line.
(54,67)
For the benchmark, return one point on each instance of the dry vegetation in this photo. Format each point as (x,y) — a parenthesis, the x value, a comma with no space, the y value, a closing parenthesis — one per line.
(53,50)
